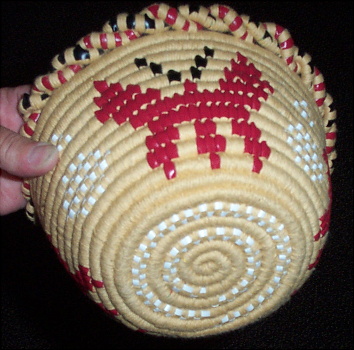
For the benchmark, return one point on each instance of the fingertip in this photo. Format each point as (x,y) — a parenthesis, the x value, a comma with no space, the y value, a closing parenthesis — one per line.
(42,157)
(23,157)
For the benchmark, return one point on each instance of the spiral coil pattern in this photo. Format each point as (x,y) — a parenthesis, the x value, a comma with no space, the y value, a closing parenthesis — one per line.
(193,194)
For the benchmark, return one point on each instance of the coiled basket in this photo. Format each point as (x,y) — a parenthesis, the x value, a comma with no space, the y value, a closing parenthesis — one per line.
(192,195)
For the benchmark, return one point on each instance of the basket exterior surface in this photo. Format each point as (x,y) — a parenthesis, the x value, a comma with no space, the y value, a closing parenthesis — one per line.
(193,192)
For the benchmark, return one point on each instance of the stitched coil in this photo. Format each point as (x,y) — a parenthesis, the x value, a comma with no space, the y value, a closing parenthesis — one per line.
(193,193)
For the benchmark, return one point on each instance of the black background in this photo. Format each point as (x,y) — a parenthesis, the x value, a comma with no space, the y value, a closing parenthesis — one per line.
(41,306)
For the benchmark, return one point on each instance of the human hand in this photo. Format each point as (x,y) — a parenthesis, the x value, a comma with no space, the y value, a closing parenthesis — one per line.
(19,156)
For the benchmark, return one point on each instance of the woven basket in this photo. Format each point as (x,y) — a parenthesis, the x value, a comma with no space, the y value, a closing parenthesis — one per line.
(192,195)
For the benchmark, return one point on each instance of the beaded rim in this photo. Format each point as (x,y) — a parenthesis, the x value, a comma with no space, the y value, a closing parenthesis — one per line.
(161,19)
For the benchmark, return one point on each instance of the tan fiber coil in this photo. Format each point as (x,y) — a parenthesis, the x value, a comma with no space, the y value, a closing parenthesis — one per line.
(192,195)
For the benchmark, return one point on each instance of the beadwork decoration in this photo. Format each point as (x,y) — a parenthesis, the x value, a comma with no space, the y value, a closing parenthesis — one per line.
(193,192)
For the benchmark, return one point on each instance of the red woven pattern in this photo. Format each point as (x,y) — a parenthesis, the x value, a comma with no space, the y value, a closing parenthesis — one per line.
(242,86)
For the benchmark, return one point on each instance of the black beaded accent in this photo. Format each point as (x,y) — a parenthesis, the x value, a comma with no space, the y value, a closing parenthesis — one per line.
(149,22)
(80,53)
(196,73)
(208,52)
(113,23)
(200,61)
(131,23)
(267,35)
(26,101)
(156,68)
(140,62)
(61,58)
(173,75)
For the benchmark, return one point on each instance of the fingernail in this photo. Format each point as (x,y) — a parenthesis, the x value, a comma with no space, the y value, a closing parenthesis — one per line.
(42,154)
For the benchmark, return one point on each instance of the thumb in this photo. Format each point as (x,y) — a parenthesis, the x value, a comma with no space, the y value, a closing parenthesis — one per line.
(23,157)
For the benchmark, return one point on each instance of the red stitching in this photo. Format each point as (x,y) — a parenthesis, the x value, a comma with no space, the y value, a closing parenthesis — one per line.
(46,83)
(278,30)
(27,129)
(319,87)
(101,86)
(87,42)
(104,41)
(85,280)
(287,44)
(142,330)
(75,67)
(317,260)
(223,11)
(61,77)
(320,101)
(171,16)
(325,219)
(241,87)
(331,135)
(34,117)
(26,185)
(154,9)
(186,26)
(236,23)
(131,35)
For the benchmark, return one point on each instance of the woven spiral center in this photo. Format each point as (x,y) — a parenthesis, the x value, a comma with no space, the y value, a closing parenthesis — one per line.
(212,263)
